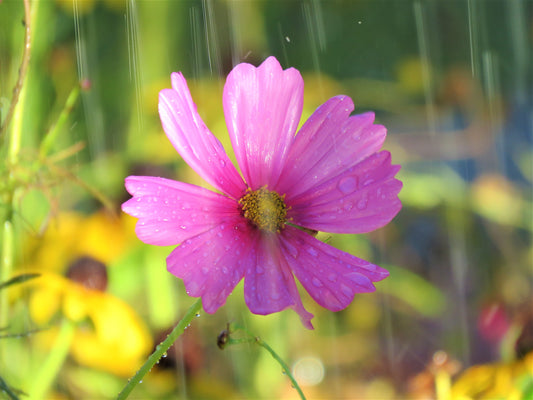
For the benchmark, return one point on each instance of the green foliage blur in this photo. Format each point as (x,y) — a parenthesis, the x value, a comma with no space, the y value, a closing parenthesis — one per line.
(83,302)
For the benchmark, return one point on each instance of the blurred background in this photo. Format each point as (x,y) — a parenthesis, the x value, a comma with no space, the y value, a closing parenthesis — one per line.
(452,81)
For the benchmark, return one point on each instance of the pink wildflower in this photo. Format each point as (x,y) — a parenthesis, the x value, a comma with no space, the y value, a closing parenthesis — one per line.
(329,177)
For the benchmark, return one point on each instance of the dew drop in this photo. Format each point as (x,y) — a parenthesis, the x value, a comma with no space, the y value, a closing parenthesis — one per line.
(317,282)
(275,295)
(222,163)
(361,204)
(293,251)
(312,251)
(332,277)
(346,290)
(347,184)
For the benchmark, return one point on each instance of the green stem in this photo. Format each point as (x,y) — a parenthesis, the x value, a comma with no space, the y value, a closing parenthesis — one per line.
(5,270)
(52,134)
(257,340)
(48,372)
(161,349)
(23,67)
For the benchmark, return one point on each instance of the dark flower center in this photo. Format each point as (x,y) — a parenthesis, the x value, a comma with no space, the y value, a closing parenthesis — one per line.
(265,209)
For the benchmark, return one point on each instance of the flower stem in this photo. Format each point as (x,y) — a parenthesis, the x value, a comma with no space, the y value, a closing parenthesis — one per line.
(46,375)
(257,340)
(23,67)
(6,267)
(161,349)
(52,134)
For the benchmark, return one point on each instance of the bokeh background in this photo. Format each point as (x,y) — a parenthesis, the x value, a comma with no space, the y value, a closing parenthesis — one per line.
(451,80)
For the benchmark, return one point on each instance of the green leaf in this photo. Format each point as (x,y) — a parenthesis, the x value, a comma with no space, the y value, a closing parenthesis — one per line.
(18,279)
(415,291)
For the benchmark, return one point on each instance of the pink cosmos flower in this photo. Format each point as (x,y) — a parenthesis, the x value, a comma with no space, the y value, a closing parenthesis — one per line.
(329,177)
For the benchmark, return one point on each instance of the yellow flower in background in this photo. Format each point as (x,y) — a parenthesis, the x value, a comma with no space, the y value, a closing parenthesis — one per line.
(102,236)
(496,381)
(72,258)
(109,334)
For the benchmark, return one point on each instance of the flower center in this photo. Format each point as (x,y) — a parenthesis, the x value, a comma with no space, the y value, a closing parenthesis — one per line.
(265,209)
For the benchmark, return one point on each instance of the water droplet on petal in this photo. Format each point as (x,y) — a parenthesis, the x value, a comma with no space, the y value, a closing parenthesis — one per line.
(312,251)
(317,282)
(222,163)
(347,184)
(293,251)
(346,290)
(329,300)
(361,204)
(332,277)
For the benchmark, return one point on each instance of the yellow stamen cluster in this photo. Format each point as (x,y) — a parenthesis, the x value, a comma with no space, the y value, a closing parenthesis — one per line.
(265,209)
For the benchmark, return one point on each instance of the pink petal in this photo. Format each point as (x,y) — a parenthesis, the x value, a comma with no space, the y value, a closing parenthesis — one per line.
(327,144)
(170,212)
(193,140)
(262,107)
(361,199)
(268,284)
(330,276)
(211,264)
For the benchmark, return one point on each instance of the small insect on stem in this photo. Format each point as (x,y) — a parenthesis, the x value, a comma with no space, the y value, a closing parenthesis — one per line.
(223,338)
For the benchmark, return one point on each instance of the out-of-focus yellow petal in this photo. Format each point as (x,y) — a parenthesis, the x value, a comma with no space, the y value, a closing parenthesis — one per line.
(493,381)
(43,305)
(101,236)
(115,339)
(120,340)
(77,303)
(72,235)
(53,251)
